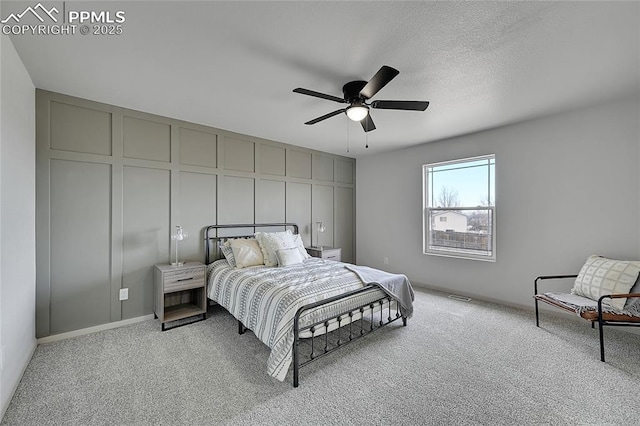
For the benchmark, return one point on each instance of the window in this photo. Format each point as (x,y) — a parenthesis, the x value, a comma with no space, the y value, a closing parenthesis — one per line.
(459,208)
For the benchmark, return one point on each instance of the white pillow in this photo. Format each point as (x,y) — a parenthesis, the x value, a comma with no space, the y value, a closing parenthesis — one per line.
(600,276)
(297,240)
(289,256)
(246,252)
(272,241)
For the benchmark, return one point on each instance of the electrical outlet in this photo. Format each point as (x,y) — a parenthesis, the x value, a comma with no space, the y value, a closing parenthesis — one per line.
(124,293)
(385,260)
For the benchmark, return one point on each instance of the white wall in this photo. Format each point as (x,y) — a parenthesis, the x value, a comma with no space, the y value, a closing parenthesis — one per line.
(567,186)
(17,220)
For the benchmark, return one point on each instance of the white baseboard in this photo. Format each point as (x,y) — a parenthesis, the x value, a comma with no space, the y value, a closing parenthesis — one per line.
(90,330)
(14,387)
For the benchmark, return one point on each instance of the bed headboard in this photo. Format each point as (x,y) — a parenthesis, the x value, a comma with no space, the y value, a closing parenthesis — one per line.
(216,235)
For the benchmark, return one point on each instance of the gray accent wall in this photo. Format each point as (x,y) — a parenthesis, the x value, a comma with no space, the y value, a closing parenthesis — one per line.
(113,183)
(567,186)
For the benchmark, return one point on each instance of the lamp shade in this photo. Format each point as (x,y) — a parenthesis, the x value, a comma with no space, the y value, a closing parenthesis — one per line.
(180,234)
(357,112)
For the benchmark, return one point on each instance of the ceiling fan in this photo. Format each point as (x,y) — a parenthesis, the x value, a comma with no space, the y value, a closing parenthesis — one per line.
(357,93)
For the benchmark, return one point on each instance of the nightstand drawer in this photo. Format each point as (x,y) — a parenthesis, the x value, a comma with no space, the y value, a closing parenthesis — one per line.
(332,256)
(183,279)
(329,253)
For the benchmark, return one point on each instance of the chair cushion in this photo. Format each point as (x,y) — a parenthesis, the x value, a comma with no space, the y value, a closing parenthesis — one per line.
(584,307)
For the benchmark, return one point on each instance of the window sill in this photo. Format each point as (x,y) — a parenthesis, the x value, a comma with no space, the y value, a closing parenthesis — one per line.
(461,256)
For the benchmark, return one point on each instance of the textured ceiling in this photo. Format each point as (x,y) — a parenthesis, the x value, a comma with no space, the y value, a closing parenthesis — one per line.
(233,65)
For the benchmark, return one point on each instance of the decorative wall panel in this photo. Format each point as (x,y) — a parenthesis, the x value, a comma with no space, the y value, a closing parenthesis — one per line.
(270,201)
(145,237)
(273,160)
(345,171)
(344,222)
(299,164)
(322,211)
(322,168)
(79,129)
(198,148)
(197,208)
(147,140)
(299,208)
(239,155)
(80,244)
(236,200)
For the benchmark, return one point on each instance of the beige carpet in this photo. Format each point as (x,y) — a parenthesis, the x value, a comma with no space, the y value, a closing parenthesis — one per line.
(455,363)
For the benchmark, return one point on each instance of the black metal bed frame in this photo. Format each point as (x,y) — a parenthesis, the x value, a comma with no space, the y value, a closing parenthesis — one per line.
(376,320)
(602,322)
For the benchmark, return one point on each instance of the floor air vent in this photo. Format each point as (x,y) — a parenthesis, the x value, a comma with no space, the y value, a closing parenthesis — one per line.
(460,298)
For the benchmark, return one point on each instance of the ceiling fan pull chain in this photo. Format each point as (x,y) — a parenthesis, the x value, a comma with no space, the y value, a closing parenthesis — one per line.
(366,138)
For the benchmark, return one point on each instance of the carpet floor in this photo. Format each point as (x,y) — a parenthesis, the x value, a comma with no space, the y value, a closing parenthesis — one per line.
(462,363)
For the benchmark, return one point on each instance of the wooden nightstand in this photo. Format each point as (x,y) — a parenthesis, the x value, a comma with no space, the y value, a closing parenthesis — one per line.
(179,292)
(330,253)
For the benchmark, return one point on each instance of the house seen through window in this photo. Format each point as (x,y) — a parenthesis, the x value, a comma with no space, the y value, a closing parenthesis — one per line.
(459,208)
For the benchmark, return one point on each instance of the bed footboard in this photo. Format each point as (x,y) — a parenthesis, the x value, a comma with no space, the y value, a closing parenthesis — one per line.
(357,322)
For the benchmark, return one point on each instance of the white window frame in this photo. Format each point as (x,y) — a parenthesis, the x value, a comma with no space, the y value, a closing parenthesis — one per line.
(426,213)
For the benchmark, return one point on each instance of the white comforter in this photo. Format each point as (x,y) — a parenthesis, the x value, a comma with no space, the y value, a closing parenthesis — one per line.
(266,299)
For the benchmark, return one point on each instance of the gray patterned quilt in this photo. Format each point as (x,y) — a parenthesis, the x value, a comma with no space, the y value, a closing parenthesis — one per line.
(266,299)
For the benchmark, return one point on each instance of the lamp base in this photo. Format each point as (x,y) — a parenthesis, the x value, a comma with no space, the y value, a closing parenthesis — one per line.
(177,263)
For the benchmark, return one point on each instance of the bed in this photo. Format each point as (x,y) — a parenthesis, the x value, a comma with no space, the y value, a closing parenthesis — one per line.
(301,311)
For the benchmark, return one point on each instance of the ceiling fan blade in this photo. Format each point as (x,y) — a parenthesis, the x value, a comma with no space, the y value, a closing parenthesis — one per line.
(384,75)
(319,95)
(402,105)
(324,117)
(367,124)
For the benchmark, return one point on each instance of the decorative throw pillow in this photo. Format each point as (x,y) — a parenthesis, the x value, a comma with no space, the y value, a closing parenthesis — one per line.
(633,303)
(272,241)
(246,252)
(297,240)
(289,256)
(227,252)
(600,276)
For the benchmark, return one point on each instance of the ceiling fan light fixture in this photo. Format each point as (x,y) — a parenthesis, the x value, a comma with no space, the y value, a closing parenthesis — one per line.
(357,112)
